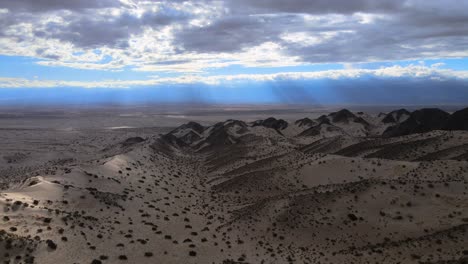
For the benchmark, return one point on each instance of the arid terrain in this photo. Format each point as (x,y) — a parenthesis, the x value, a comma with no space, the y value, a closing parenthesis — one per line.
(299,187)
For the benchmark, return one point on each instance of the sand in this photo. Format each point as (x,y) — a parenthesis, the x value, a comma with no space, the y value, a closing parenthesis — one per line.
(135,192)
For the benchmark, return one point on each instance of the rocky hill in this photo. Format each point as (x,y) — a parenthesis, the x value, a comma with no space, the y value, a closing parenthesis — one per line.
(343,188)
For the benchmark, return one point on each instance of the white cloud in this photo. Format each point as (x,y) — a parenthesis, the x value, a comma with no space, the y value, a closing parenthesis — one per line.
(306,38)
(438,65)
(366,18)
(200,35)
(411,71)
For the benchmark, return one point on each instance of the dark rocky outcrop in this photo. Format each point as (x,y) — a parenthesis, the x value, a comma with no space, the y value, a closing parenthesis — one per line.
(458,120)
(305,122)
(342,116)
(190,137)
(132,141)
(277,124)
(323,119)
(419,121)
(219,135)
(232,123)
(172,140)
(361,120)
(395,116)
(346,116)
(190,125)
(317,130)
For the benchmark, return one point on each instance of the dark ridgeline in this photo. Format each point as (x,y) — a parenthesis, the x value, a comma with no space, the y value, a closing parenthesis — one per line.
(429,119)
(419,121)
(399,123)
(458,120)
(278,124)
(396,116)
(305,122)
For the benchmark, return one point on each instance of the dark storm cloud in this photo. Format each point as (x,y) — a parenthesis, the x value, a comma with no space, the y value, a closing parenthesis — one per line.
(387,41)
(396,30)
(316,6)
(232,33)
(90,31)
(399,30)
(228,34)
(49,5)
(85,27)
(416,32)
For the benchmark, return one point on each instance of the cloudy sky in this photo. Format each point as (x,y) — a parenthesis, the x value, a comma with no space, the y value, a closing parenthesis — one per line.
(320,51)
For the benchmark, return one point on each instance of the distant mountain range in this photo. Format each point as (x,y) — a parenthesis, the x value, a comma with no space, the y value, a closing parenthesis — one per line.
(342,132)
(344,122)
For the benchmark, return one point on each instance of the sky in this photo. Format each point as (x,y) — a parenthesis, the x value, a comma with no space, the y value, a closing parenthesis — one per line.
(234,51)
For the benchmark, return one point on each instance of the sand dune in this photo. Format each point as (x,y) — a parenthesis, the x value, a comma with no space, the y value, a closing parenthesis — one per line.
(327,190)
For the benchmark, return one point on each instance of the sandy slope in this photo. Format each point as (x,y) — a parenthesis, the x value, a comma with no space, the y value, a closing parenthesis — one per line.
(237,193)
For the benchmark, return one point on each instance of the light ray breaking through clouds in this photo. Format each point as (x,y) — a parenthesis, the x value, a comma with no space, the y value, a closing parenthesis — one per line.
(138,43)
